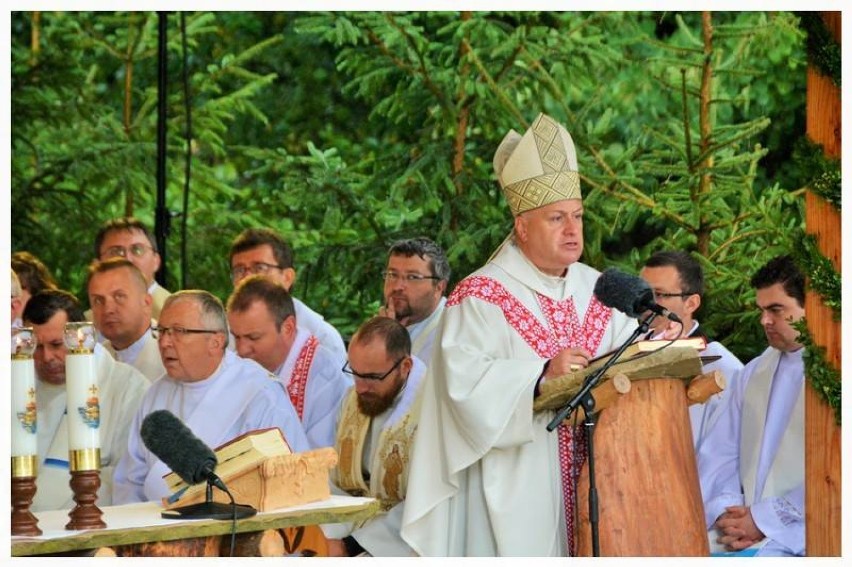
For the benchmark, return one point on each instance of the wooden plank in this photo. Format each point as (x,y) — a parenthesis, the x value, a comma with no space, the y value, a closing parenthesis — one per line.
(822,435)
(180,530)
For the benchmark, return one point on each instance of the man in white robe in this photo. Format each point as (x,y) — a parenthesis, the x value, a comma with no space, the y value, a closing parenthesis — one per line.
(265,329)
(121,306)
(218,395)
(374,437)
(120,390)
(754,455)
(263,251)
(415,287)
(678,283)
(487,478)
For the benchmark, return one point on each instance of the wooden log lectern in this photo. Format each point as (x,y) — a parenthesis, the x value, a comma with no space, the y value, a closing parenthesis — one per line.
(649,499)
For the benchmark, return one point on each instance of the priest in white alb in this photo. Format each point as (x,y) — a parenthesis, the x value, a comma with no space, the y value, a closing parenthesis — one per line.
(217,394)
(753,458)
(487,478)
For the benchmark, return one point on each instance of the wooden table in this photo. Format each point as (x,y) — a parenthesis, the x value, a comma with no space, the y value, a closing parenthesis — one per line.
(133,526)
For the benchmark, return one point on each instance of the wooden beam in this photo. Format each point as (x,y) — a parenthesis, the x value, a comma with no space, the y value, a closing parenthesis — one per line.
(822,435)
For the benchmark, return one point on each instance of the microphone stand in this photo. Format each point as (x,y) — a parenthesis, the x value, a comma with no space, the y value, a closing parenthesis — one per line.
(210,509)
(585,397)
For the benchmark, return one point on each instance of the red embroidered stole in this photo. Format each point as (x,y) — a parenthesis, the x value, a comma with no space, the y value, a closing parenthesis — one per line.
(299,379)
(562,330)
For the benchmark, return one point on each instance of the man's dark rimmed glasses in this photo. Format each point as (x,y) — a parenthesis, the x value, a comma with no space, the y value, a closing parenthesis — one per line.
(681,294)
(179,332)
(407,278)
(378,378)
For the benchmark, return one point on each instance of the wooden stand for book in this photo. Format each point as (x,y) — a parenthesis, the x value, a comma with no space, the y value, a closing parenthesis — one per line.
(647,480)
(277,482)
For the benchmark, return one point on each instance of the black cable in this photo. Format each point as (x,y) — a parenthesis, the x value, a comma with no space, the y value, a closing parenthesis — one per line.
(188,159)
(233,522)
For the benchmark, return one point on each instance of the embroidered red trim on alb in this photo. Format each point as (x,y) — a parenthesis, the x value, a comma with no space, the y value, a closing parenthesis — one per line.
(299,379)
(563,330)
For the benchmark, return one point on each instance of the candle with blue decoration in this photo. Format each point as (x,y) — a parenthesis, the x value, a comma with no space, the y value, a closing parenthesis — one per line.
(84,420)
(24,428)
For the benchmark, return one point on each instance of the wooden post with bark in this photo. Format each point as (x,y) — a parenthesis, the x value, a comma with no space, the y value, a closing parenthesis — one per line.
(822,434)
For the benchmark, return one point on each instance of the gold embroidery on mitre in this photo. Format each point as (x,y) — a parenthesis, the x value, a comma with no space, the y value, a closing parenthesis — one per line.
(538,168)
(539,191)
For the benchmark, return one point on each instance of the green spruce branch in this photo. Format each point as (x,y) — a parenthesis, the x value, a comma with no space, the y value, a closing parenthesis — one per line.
(821,375)
(823,50)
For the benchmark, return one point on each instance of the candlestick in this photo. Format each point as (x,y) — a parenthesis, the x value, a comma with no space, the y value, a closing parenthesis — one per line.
(84,420)
(24,428)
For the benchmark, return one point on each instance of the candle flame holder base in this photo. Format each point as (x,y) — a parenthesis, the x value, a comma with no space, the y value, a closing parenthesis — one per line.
(24,523)
(85,515)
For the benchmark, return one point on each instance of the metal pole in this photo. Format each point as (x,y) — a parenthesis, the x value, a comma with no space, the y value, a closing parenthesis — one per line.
(161,214)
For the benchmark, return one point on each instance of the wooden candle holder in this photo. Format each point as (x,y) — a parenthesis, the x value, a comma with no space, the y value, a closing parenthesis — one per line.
(24,523)
(85,515)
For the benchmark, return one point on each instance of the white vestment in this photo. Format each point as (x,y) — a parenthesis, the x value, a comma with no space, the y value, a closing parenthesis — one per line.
(380,535)
(315,324)
(159,294)
(757,444)
(485,474)
(324,388)
(143,355)
(423,333)
(240,396)
(120,391)
(703,416)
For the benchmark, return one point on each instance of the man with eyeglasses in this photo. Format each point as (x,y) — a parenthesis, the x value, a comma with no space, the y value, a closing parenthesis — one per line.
(263,251)
(415,286)
(129,238)
(487,478)
(120,390)
(265,329)
(121,306)
(375,434)
(217,394)
(678,283)
(754,455)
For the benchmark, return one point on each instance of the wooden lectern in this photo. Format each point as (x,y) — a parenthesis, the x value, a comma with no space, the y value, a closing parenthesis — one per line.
(646,476)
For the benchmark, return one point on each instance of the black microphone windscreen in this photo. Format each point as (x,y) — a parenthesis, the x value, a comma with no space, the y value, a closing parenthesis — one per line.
(174,443)
(618,290)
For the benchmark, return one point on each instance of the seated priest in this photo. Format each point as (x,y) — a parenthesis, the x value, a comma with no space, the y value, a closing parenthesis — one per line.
(120,390)
(375,431)
(217,394)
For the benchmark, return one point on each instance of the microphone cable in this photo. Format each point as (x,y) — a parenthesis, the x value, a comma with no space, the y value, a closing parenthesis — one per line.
(233,522)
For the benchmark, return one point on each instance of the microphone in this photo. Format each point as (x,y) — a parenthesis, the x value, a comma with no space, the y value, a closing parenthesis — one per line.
(174,443)
(629,294)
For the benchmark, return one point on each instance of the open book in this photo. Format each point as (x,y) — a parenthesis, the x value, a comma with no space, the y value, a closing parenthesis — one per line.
(237,455)
(640,348)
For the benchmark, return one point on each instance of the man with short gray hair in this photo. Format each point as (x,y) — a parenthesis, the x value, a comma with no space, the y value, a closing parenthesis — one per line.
(217,394)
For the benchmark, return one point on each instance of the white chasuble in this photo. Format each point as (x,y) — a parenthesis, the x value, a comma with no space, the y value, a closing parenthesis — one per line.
(487,477)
